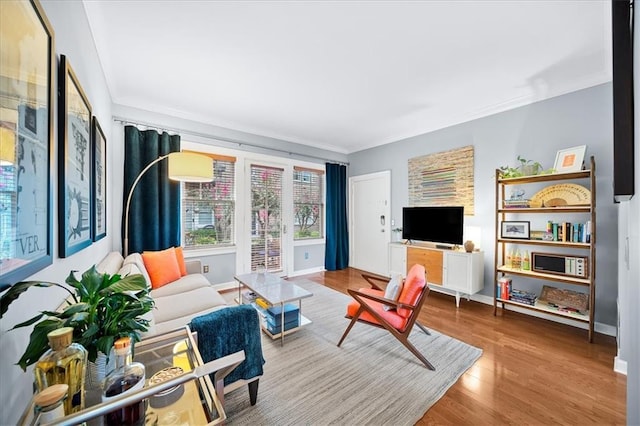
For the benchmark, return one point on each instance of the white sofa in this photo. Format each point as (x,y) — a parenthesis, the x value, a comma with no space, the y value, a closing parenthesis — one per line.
(176,303)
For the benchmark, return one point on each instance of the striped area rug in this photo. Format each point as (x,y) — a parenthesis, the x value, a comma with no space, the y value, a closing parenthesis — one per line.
(371,379)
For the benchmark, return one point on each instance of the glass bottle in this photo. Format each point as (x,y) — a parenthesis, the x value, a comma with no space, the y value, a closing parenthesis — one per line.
(517,260)
(526,261)
(128,376)
(64,363)
(509,262)
(49,404)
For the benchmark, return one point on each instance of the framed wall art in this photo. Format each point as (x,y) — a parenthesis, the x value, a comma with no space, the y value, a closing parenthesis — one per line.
(75,170)
(26,145)
(515,229)
(99,206)
(442,179)
(570,159)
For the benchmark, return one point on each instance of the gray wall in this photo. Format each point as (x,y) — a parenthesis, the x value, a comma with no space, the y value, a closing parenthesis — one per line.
(73,39)
(536,132)
(308,257)
(631,303)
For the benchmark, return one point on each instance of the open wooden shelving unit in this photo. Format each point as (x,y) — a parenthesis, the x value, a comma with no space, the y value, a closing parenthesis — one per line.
(502,244)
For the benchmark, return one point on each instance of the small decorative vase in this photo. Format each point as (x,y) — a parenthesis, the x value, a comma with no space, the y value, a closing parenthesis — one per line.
(468,246)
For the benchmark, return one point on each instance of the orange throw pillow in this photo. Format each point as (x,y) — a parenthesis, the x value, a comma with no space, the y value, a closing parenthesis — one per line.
(181,265)
(162,266)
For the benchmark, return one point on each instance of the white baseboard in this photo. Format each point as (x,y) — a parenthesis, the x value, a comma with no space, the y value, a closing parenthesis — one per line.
(606,329)
(620,365)
(307,271)
(225,287)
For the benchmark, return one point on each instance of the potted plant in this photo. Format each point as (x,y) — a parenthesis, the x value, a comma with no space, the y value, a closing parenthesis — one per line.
(101,309)
(526,168)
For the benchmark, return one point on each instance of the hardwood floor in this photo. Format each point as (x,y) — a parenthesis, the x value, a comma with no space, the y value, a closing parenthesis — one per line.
(532,371)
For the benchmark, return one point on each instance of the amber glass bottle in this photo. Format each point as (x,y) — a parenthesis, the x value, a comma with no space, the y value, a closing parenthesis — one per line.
(64,363)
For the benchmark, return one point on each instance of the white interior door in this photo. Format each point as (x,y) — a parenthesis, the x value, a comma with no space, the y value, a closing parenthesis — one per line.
(369,221)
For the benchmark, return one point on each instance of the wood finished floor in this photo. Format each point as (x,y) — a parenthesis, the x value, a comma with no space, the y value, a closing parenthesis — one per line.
(532,371)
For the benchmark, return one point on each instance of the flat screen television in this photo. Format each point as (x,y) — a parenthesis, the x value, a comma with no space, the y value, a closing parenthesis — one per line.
(433,224)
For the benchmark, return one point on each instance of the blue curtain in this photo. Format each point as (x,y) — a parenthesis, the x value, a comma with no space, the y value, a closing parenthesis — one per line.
(336,255)
(154,215)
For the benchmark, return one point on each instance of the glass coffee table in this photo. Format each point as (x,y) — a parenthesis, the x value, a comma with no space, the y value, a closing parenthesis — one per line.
(186,399)
(277,293)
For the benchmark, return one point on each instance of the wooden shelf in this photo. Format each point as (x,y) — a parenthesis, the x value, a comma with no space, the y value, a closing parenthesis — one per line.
(566,244)
(540,275)
(547,210)
(542,307)
(545,178)
(502,244)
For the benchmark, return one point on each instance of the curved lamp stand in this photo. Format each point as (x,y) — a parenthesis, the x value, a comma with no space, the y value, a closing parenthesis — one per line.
(183,167)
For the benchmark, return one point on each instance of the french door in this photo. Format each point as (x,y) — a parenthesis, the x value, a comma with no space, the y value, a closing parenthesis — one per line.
(266,218)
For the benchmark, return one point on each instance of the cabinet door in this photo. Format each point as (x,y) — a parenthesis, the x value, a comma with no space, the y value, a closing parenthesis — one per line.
(456,272)
(432,261)
(397,259)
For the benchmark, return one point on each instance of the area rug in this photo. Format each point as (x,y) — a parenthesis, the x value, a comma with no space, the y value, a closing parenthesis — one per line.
(371,379)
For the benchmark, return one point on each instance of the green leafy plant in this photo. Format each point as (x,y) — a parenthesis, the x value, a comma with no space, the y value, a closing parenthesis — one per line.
(525,168)
(101,309)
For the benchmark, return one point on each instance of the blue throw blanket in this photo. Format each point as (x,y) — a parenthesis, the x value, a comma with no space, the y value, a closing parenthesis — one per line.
(230,330)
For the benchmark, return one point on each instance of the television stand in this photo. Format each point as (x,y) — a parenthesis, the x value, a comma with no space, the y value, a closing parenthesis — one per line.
(448,270)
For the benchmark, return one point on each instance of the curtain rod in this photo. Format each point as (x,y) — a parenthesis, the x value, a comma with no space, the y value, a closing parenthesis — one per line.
(228,140)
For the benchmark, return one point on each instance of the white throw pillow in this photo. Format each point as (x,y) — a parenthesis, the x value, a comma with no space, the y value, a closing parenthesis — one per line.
(393,290)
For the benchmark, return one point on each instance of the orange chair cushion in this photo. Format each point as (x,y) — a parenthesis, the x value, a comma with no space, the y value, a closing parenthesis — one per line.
(162,266)
(391,317)
(413,286)
(181,264)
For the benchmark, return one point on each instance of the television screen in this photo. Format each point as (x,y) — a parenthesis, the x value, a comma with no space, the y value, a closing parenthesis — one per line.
(433,224)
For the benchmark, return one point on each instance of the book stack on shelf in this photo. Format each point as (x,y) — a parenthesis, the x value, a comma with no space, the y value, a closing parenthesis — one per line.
(518,203)
(274,318)
(525,297)
(504,288)
(570,232)
(271,316)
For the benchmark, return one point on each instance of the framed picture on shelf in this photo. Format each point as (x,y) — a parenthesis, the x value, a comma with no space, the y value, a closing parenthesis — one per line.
(515,229)
(26,140)
(75,169)
(99,207)
(570,159)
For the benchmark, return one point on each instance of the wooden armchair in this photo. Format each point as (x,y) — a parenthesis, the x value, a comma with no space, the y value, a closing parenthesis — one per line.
(368,308)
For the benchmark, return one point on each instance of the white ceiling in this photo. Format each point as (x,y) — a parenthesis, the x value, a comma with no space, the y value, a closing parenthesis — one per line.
(346,75)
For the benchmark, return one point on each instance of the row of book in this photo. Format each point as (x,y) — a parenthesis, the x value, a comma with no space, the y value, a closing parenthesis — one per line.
(570,232)
(505,291)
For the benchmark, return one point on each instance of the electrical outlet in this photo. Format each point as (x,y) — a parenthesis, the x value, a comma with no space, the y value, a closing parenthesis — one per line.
(205,268)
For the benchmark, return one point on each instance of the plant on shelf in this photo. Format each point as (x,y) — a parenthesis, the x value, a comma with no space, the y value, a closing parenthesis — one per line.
(525,168)
(101,309)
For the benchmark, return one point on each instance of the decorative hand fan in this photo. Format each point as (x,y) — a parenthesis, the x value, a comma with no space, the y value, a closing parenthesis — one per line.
(563,194)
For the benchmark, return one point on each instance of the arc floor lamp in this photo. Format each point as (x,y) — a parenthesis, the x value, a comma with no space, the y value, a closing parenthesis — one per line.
(183,167)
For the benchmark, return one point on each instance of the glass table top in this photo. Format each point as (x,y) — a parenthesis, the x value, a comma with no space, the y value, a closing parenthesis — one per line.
(272,288)
(186,396)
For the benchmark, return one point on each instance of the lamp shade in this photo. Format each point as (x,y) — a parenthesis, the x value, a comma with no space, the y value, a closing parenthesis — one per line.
(7,146)
(473,233)
(190,167)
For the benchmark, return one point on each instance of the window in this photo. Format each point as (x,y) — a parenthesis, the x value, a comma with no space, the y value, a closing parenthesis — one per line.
(208,208)
(307,203)
(8,201)
(266,217)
